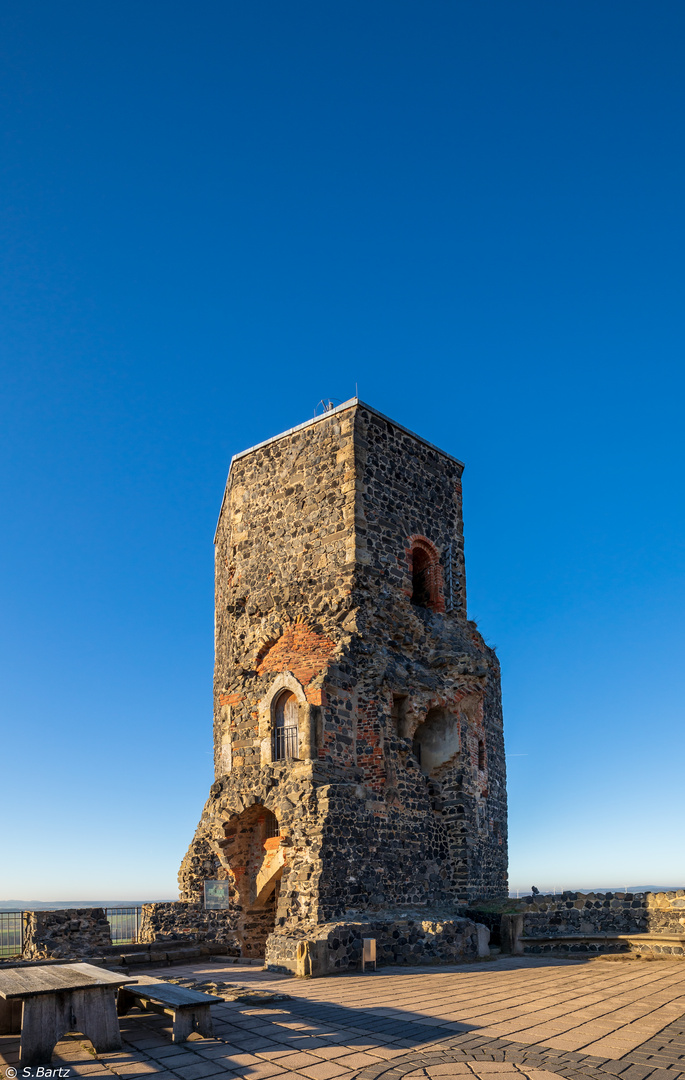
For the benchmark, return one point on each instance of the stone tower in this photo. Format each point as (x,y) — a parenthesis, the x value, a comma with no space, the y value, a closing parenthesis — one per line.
(359,754)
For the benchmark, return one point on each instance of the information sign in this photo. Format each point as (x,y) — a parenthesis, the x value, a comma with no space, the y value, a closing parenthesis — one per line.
(216,895)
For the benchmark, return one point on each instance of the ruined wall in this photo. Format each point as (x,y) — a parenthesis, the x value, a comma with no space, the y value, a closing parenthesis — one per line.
(284,569)
(71,932)
(315,548)
(182,922)
(408,940)
(414,837)
(289,791)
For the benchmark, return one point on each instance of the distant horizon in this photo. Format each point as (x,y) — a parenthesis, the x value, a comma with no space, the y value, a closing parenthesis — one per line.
(46,904)
(558,890)
(28,905)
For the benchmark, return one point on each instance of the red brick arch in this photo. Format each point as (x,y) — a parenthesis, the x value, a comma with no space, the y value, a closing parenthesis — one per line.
(426,573)
(300,649)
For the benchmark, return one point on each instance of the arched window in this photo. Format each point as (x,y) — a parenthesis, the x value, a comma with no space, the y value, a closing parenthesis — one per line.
(481,756)
(426,575)
(286,743)
(420,577)
(271,826)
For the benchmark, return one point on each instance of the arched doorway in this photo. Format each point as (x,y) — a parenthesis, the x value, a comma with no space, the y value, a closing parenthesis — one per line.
(253,849)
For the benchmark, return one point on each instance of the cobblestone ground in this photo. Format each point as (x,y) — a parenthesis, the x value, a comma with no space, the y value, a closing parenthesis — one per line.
(516,1018)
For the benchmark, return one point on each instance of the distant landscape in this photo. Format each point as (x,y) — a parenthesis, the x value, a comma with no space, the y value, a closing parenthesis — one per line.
(598,889)
(55,905)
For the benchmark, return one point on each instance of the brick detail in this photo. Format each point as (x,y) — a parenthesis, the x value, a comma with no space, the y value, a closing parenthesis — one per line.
(434,572)
(231,699)
(369,744)
(315,695)
(300,649)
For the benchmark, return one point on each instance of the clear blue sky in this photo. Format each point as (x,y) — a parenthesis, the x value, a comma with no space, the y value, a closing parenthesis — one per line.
(215,214)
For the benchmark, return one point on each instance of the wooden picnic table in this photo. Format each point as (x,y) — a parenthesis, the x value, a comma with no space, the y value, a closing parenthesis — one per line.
(55,999)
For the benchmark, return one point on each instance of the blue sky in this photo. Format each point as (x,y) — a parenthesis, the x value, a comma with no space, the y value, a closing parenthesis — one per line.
(213,215)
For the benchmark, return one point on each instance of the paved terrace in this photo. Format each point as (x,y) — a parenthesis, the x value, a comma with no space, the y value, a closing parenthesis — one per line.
(516,1018)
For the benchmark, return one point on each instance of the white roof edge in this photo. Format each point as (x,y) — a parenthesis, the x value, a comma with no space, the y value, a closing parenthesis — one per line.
(298,427)
(317,419)
(408,431)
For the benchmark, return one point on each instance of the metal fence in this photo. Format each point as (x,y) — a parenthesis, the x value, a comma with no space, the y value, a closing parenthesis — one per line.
(124,924)
(11,934)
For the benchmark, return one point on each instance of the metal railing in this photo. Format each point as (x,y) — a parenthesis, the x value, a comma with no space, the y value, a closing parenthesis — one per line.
(124,924)
(11,934)
(285,743)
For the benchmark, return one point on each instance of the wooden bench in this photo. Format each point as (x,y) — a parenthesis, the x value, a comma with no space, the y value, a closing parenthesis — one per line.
(189,1009)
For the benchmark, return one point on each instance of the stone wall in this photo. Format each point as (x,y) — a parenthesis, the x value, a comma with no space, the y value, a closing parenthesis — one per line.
(579,915)
(665,912)
(188,922)
(336,947)
(284,560)
(611,913)
(72,932)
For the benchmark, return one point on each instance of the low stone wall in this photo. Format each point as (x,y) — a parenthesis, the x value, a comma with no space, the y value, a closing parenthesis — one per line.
(334,947)
(181,921)
(666,912)
(596,915)
(608,913)
(63,935)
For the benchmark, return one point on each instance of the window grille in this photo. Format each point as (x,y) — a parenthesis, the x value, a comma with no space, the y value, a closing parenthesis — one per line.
(271,826)
(286,727)
(285,743)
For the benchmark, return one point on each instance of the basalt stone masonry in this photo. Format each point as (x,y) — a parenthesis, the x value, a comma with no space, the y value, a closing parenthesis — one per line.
(177,922)
(646,924)
(359,753)
(65,934)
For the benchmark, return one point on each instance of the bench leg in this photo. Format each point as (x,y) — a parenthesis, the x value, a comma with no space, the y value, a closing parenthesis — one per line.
(203,1021)
(194,1018)
(125,1002)
(183,1025)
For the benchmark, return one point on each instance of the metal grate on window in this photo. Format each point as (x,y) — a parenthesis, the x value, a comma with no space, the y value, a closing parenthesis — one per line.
(285,743)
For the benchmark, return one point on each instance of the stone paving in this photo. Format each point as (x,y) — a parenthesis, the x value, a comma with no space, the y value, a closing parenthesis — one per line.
(518,1018)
